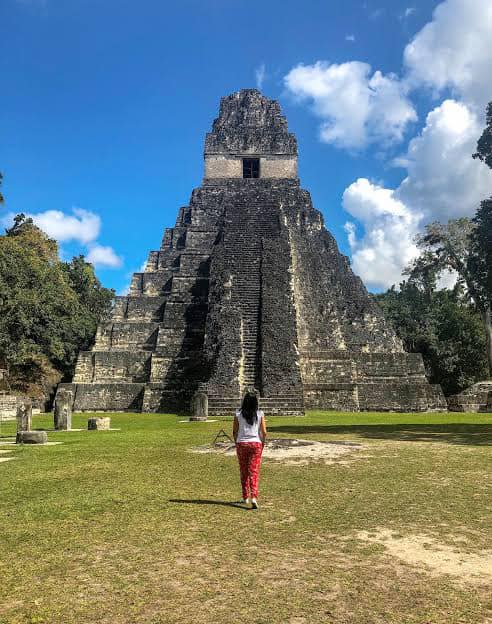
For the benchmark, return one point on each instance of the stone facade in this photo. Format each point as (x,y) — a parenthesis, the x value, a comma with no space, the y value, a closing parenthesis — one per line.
(249,289)
(8,401)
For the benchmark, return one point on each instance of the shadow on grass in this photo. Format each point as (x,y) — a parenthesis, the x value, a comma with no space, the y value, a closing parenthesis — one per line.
(199,501)
(475,435)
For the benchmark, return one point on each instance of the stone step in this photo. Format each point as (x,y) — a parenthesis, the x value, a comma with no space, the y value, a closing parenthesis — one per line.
(262,400)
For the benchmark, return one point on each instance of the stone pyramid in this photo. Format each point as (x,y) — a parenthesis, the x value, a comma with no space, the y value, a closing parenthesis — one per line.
(249,289)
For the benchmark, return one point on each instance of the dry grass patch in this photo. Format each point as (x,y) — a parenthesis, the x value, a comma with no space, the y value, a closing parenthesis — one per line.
(300,452)
(435,557)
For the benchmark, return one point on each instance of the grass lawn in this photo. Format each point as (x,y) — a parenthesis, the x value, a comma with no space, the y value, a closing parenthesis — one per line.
(129,527)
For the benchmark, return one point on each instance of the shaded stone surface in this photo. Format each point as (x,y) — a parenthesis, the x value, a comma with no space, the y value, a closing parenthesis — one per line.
(249,289)
(8,401)
(8,406)
(62,410)
(31,437)
(99,424)
(476,398)
(199,406)
(24,415)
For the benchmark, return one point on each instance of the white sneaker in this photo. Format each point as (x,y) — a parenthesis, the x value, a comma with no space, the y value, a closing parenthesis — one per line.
(254,503)
(244,501)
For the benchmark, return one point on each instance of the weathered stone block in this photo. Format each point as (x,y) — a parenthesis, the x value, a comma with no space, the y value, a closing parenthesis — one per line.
(476,398)
(8,407)
(102,423)
(199,406)
(31,437)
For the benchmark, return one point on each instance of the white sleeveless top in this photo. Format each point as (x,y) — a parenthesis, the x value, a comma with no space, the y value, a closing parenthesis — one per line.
(247,432)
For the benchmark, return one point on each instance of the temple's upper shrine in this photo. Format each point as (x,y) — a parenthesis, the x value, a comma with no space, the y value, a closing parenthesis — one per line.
(250,139)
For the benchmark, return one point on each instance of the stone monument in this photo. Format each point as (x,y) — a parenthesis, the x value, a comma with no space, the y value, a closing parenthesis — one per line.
(199,407)
(24,415)
(25,435)
(62,410)
(249,289)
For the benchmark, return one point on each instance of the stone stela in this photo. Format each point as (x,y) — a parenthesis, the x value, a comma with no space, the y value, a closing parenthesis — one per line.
(62,412)
(199,407)
(25,435)
(249,289)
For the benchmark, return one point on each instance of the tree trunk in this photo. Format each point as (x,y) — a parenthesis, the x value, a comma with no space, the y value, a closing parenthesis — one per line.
(486,315)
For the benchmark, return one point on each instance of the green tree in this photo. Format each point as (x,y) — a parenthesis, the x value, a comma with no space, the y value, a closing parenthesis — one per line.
(484,144)
(48,309)
(455,246)
(441,326)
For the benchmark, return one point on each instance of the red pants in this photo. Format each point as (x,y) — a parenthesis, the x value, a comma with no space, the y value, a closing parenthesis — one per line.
(249,457)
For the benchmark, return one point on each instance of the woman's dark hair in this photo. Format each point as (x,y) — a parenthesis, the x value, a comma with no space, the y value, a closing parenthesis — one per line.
(250,407)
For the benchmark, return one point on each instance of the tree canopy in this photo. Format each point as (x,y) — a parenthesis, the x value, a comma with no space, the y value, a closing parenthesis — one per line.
(49,309)
(457,246)
(484,144)
(443,327)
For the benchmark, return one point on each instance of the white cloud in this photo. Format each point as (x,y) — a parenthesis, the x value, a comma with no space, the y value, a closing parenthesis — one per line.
(82,226)
(389,228)
(349,37)
(260,75)
(443,183)
(450,54)
(453,51)
(103,256)
(357,108)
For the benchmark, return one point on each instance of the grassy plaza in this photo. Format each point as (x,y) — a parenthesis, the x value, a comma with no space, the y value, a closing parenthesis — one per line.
(129,526)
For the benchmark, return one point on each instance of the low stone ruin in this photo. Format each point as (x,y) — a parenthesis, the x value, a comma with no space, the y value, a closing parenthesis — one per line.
(99,423)
(31,437)
(476,398)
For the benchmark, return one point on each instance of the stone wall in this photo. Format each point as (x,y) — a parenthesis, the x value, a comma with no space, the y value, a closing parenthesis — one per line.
(223,166)
(8,406)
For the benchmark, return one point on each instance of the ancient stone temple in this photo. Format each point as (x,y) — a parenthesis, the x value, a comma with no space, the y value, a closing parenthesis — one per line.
(249,289)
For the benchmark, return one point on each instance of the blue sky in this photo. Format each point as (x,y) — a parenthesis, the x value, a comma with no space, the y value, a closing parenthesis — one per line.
(105,104)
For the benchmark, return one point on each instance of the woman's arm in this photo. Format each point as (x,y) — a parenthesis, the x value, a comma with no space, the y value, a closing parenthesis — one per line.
(263,430)
(235,428)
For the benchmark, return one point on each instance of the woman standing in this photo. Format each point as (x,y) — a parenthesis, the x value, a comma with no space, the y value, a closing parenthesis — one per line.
(249,435)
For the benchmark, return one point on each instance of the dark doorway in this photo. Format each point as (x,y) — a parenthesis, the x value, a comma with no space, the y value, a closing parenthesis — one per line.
(251,167)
